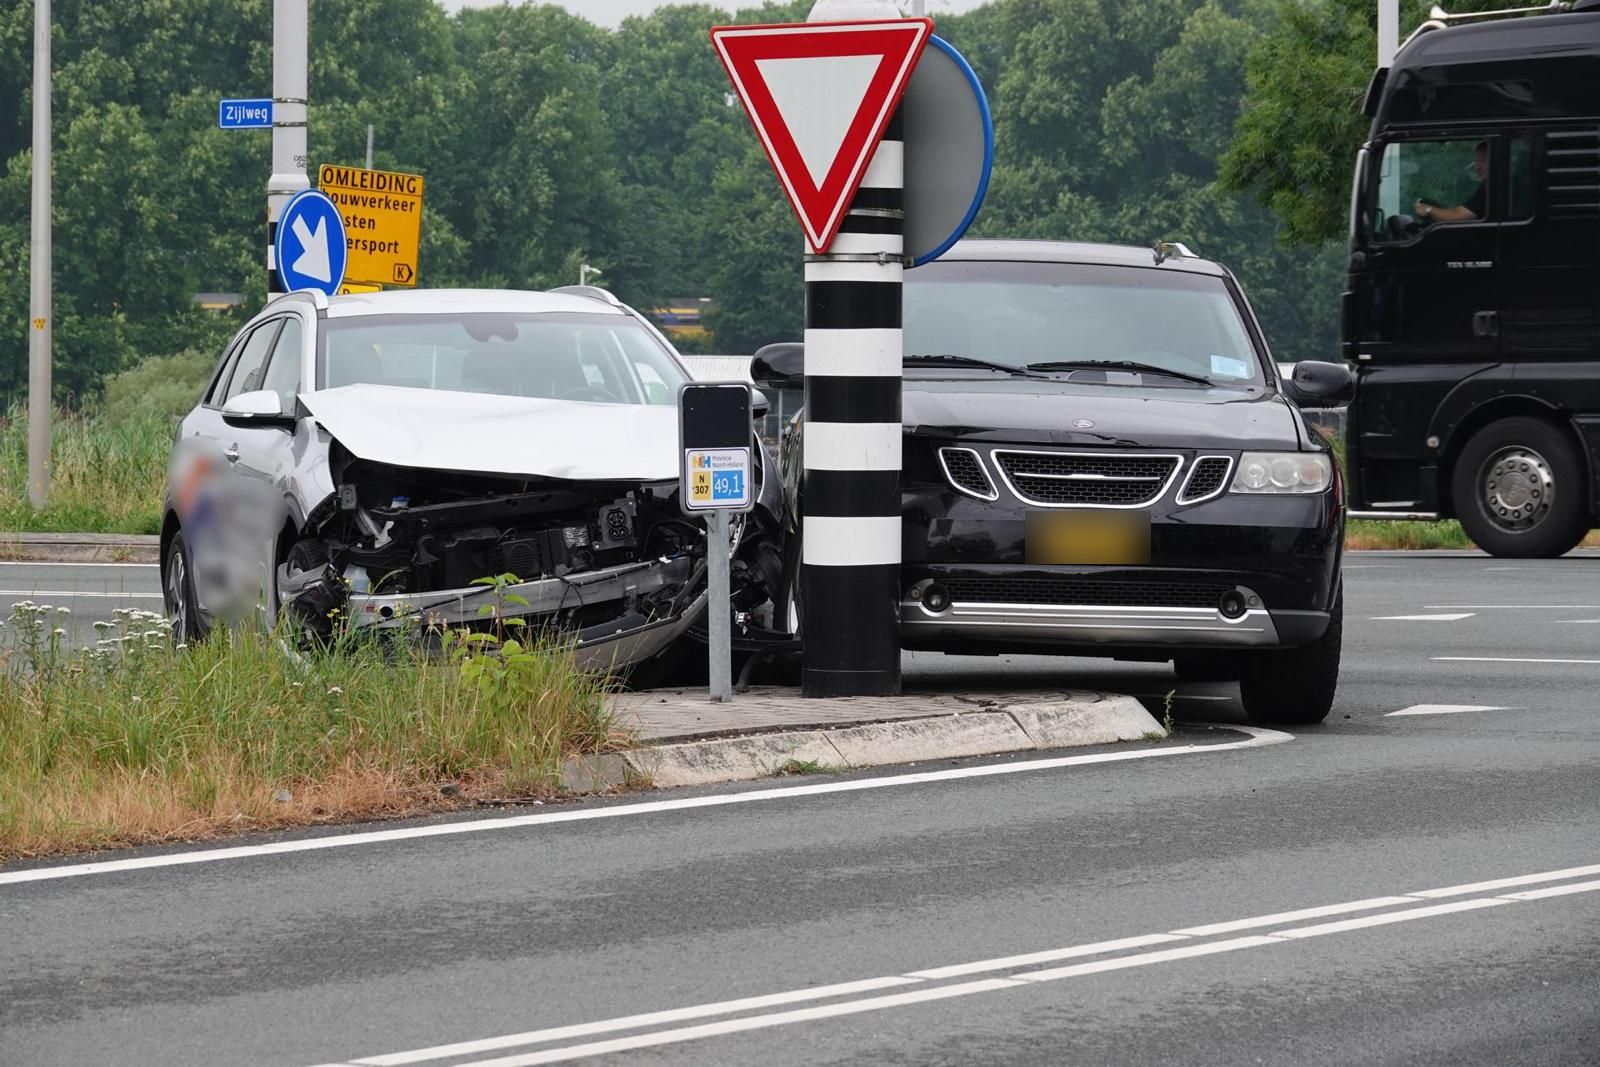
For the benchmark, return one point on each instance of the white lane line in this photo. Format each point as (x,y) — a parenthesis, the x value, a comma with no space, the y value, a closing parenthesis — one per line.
(1505,883)
(70,566)
(1282,917)
(1511,607)
(633,1022)
(1506,659)
(755,1022)
(1424,618)
(1442,709)
(1346,925)
(67,594)
(1258,738)
(882,1002)
(1574,622)
(1002,963)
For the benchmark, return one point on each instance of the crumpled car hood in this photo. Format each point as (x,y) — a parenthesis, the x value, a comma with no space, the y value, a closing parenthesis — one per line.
(486,434)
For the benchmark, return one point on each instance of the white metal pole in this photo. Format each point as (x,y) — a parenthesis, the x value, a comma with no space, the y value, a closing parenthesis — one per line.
(369,146)
(40,327)
(718,592)
(919,8)
(289,34)
(1388,31)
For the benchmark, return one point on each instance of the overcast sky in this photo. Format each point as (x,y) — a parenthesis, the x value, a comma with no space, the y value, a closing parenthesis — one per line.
(612,12)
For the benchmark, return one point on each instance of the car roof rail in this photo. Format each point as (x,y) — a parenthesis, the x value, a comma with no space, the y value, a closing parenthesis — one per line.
(318,298)
(593,292)
(1439,19)
(1165,250)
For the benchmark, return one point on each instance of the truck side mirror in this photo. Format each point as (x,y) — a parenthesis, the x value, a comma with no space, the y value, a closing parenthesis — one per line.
(1318,384)
(779,366)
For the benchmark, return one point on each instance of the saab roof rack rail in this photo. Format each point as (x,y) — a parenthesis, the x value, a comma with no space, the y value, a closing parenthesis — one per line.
(1439,18)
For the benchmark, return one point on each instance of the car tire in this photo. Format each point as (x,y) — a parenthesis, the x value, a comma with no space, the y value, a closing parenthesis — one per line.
(177,592)
(1203,668)
(1295,686)
(1520,491)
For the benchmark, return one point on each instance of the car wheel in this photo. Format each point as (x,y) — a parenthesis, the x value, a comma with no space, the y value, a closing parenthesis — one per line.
(1295,686)
(177,592)
(1519,490)
(1206,668)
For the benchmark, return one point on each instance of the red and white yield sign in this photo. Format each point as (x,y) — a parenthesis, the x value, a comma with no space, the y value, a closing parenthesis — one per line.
(820,95)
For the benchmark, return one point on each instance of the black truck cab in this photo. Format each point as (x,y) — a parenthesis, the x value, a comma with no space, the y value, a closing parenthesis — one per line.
(1472,313)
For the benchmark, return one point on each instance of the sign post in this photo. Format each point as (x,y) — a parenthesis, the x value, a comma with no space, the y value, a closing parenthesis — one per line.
(40,292)
(288,178)
(823,97)
(715,479)
(382,213)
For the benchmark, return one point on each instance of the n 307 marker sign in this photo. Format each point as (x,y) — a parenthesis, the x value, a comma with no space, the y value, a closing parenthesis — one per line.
(718,478)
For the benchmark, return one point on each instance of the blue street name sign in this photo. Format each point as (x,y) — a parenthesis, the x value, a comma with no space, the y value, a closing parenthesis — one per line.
(244,114)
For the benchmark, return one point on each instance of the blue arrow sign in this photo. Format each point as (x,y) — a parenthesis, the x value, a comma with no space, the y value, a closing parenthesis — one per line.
(244,114)
(310,249)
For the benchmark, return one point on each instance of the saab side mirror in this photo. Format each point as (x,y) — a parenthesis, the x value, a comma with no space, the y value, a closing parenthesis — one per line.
(779,366)
(759,405)
(263,407)
(1316,384)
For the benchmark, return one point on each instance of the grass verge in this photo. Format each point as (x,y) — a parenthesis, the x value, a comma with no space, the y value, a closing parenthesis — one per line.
(105,476)
(1362,534)
(137,741)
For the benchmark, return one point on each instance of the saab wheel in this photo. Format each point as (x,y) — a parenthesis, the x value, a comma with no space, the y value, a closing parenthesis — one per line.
(1294,686)
(1204,668)
(1519,490)
(177,592)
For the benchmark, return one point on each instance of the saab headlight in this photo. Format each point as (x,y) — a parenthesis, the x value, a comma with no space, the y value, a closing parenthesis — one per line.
(1282,472)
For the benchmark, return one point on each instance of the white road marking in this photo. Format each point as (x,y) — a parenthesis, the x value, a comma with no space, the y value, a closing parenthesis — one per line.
(1576,622)
(1511,607)
(1258,738)
(69,594)
(1441,709)
(1423,618)
(882,1002)
(4,563)
(1506,659)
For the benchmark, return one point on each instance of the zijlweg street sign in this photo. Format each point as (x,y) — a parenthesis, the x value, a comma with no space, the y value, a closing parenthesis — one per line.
(382,213)
(310,248)
(820,95)
(244,114)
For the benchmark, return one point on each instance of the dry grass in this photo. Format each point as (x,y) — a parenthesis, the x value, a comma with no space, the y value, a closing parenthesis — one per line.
(138,742)
(1361,534)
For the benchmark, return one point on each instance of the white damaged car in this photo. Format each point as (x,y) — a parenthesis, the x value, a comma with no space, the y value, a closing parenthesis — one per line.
(366,459)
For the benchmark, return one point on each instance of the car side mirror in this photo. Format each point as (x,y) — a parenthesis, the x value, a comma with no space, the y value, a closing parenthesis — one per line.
(263,407)
(1319,384)
(759,405)
(780,366)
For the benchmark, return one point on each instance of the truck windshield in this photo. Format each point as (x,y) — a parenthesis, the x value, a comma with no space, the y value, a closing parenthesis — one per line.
(1051,314)
(608,359)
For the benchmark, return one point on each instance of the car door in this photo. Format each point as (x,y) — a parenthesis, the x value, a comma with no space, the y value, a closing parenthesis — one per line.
(266,453)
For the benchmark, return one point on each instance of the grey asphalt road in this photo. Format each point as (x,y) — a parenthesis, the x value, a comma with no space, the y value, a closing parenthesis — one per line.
(940,919)
(89,591)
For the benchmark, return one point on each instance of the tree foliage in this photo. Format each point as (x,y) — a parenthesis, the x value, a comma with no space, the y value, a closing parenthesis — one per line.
(548,142)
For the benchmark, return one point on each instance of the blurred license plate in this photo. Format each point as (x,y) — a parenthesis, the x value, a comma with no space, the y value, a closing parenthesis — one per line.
(1088,537)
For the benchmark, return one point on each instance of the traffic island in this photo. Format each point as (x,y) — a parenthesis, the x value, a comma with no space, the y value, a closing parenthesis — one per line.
(771,731)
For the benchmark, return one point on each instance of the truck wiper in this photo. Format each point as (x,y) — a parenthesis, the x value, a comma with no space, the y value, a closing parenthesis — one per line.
(950,360)
(1118,364)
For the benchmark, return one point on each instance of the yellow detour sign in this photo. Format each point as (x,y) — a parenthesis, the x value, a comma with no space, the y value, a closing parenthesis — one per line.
(350,288)
(382,213)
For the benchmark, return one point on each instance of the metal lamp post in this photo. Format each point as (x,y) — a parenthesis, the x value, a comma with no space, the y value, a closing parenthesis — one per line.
(39,310)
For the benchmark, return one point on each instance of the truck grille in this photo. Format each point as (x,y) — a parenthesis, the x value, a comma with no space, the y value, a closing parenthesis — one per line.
(1083,591)
(1087,479)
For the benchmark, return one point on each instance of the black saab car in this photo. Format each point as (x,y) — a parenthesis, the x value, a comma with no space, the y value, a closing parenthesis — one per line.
(1101,459)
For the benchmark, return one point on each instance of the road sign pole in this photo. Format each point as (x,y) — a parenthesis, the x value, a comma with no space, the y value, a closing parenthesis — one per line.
(40,327)
(369,145)
(718,594)
(850,573)
(1388,31)
(288,177)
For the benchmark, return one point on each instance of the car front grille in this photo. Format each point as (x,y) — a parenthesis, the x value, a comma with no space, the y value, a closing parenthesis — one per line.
(1087,479)
(965,471)
(1083,591)
(1207,478)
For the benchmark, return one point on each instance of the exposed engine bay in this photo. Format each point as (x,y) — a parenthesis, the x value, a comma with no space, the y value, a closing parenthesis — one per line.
(613,566)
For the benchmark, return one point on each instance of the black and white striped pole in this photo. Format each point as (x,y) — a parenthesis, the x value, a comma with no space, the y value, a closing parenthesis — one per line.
(850,549)
(289,43)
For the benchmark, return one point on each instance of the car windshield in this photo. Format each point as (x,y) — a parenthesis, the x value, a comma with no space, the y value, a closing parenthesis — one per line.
(1045,315)
(601,358)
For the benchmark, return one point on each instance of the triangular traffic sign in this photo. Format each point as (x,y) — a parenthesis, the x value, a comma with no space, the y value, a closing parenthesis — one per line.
(820,95)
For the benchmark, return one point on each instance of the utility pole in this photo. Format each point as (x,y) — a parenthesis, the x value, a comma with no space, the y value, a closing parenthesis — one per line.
(1388,31)
(369,146)
(288,121)
(39,293)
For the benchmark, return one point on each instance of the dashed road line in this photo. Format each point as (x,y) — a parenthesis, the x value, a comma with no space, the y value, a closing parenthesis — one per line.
(1442,709)
(1507,659)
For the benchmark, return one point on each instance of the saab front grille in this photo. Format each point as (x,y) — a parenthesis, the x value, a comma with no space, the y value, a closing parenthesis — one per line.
(1083,592)
(1207,478)
(1087,479)
(965,471)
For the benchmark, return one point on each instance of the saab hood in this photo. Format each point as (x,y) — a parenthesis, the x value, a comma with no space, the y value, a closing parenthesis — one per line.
(1064,413)
(482,433)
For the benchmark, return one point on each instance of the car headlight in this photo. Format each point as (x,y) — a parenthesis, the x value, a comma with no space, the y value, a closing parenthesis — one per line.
(1282,472)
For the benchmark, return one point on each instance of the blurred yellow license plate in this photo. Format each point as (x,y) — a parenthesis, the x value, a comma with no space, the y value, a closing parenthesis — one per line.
(1088,537)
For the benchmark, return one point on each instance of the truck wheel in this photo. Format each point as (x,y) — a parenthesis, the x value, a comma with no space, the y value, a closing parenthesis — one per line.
(1295,686)
(1519,490)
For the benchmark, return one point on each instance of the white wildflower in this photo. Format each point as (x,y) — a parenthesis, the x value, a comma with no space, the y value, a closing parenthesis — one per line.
(333,690)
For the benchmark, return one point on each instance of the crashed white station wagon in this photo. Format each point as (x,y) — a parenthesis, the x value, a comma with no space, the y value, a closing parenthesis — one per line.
(374,456)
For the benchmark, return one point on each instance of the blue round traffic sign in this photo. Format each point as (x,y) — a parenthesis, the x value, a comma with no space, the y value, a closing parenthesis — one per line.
(311,249)
(949,151)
